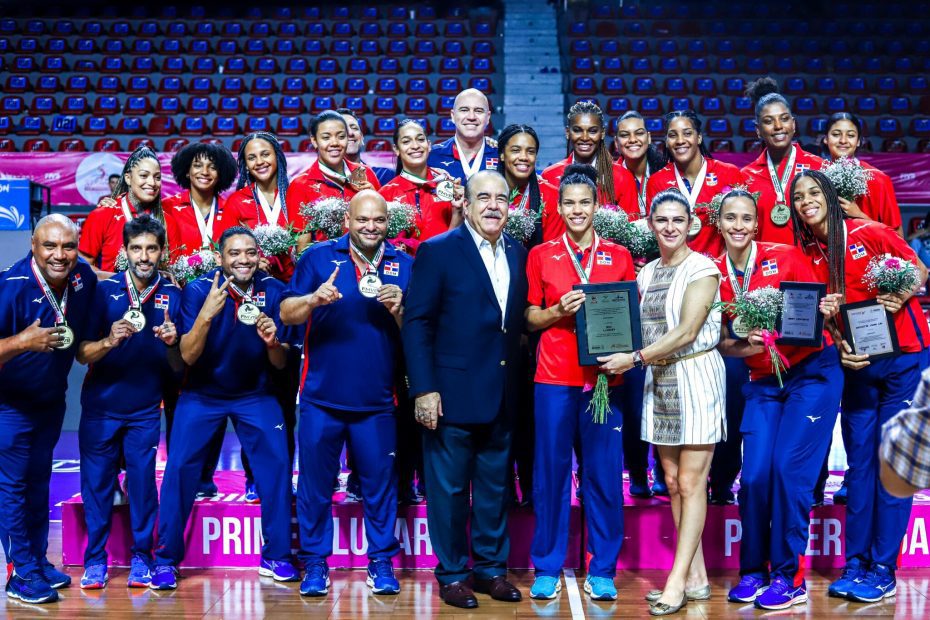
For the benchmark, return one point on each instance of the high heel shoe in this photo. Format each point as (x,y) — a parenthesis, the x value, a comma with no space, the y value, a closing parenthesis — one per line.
(664,609)
(698,594)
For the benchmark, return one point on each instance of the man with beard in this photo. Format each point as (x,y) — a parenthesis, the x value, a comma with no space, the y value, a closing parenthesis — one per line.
(468,151)
(356,146)
(131,350)
(229,340)
(350,289)
(47,299)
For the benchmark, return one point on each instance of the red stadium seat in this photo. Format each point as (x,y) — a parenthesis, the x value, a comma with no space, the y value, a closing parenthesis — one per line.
(378,145)
(36,145)
(168,105)
(722,146)
(193,126)
(97,126)
(355,86)
(319,104)
(138,85)
(387,86)
(161,126)
(325,86)
(226,126)
(290,126)
(7,145)
(417,106)
(48,85)
(75,105)
(261,104)
(109,85)
(256,123)
(358,66)
(137,106)
(294,86)
(306,146)
(17,84)
(109,145)
(888,127)
(894,145)
(72,145)
(173,145)
(291,105)
(263,86)
(232,86)
(129,125)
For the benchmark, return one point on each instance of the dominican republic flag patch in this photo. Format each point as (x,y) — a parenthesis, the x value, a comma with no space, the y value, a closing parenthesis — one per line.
(260,299)
(857,250)
(76,282)
(603,258)
(391,269)
(769,267)
(710,179)
(161,301)
(799,167)
(491,163)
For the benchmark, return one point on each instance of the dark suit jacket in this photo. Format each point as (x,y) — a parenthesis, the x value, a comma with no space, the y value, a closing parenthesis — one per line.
(453,340)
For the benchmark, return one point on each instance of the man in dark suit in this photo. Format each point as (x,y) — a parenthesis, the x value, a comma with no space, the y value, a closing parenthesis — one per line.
(463,319)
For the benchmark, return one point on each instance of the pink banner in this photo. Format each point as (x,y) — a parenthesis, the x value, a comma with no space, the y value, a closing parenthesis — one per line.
(81,178)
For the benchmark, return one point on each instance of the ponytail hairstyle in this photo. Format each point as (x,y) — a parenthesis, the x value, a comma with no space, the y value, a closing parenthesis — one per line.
(579,174)
(655,160)
(245,178)
(122,187)
(322,117)
(833,120)
(804,236)
(604,162)
(509,133)
(692,117)
(737,192)
(399,167)
(763,92)
(673,194)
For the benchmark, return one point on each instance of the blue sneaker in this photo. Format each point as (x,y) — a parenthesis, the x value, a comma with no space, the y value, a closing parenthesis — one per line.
(251,494)
(164,578)
(600,588)
(278,570)
(660,488)
(316,580)
(54,577)
(879,583)
(140,574)
(782,595)
(639,487)
(853,573)
(747,590)
(207,489)
(353,488)
(94,577)
(546,587)
(840,496)
(381,577)
(31,589)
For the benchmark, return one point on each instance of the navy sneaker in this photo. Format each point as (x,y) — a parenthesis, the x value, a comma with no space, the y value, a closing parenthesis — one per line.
(381,577)
(840,496)
(94,577)
(31,589)
(659,488)
(782,595)
(140,574)
(251,494)
(54,577)
(353,488)
(207,489)
(639,487)
(164,578)
(316,580)
(879,583)
(277,570)
(747,590)
(853,573)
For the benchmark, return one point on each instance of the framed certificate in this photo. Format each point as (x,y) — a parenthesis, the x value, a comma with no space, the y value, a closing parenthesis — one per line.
(869,329)
(608,321)
(801,322)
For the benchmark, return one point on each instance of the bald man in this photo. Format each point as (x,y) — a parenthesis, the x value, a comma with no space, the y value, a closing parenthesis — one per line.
(47,299)
(350,289)
(468,151)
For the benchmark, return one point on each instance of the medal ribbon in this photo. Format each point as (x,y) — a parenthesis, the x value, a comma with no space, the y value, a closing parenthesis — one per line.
(641,194)
(747,272)
(205,225)
(245,296)
(780,184)
(341,177)
(372,264)
(470,168)
(695,191)
(59,309)
(583,273)
(126,206)
(272,212)
(136,299)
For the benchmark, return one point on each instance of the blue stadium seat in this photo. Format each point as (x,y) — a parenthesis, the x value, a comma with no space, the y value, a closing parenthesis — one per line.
(291,105)
(917,85)
(341,47)
(888,127)
(583,86)
(137,106)
(356,104)
(193,126)
(669,65)
(866,106)
(747,127)
(260,104)
(398,48)
(445,128)
(384,126)
(449,86)
(168,105)
(675,86)
(262,86)
(644,86)
(235,65)
(741,105)
(816,126)
(655,126)
(650,106)
(385,106)
(355,86)
(805,105)
(318,104)
(451,66)
(294,86)
(418,86)
(416,106)
(267,65)
(704,86)
(711,106)
(387,86)
(43,105)
(199,105)
(232,86)
(483,84)
(832,105)
(899,105)
(48,84)
(256,123)
(641,65)
(698,65)
(388,66)
(368,47)
(425,47)
(726,64)
(719,128)
(129,125)
(325,86)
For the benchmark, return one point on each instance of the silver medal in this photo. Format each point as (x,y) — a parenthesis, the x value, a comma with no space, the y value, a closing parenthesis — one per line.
(369,285)
(445,191)
(248,313)
(740,329)
(135,318)
(695,227)
(66,334)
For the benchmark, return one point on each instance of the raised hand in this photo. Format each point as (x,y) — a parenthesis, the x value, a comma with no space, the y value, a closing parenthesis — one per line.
(327,293)
(216,299)
(120,330)
(167,332)
(392,297)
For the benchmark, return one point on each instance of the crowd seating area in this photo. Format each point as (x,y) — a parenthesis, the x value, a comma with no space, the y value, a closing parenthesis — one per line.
(658,57)
(109,84)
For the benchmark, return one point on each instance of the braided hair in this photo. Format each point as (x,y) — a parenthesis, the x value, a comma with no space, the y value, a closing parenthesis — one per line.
(509,133)
(604,162)
(804,236)
(245,178)
(122,187)
(399,167)
(695,121)
(579,174)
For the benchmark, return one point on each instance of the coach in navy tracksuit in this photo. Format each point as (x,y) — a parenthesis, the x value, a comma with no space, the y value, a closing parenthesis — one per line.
(47,297)
(229,340)
(132,351)
(350,289)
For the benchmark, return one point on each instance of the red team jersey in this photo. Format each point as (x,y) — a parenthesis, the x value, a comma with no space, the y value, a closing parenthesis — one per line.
(312,185)
(433,215)
(551,274)
(719,175)
(551,221)
(880,204)
(184,236)
(624,185)
(864,241)
(248,211)
(757,175)
(774,263)
(102,234)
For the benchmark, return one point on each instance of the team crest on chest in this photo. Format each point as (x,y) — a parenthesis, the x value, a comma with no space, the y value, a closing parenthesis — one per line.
(259,299)
(161,301)
(857,250)
(799,167)
(769,267)
(603,258)
(491,163)
(710,179)
(391,269)
(76,282)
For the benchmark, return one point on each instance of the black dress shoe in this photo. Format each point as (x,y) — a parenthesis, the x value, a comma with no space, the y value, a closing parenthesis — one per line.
(499,588)
(458,594)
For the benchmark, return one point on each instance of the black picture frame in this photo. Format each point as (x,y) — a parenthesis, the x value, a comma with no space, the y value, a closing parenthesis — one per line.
(627,293)
(848,334)
(816,340)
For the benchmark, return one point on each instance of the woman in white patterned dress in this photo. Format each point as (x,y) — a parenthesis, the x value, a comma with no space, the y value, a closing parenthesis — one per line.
(684,400)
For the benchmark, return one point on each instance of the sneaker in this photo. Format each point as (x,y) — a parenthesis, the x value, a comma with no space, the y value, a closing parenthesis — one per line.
(207,489)
(140,574)
(119,497)
(251,494)
(600,588)
(164,578)
(853,573)
(54,577)
(782,595)
(546,587)
(94,577)
(879,583)
(353,488)
(725,498)
(381,578)
(659,488)
(31,589)
(278,570)
(747,590)
(639,487)
(840,496)
(316,580)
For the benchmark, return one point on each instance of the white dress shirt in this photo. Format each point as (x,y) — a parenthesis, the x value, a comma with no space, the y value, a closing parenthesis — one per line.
(495,261)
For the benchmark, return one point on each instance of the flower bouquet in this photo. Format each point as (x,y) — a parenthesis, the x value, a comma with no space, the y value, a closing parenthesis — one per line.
(760,309)
(612,223)
(275,243)
(521,223)
(122,261)
(326,216)
(890,274)
(713,207)
(849,178)
(188,268)
(401,217)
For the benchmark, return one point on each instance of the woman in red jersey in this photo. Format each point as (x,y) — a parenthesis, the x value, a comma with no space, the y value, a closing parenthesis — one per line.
(518,146)
(638,154)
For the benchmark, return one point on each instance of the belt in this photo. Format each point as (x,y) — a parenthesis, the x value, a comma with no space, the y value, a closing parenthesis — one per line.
(672,360)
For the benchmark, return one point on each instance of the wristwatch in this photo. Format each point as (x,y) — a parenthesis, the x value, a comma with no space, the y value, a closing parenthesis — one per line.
(638,361)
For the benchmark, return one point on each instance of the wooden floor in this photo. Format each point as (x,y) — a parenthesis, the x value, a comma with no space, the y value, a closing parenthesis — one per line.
(242,594)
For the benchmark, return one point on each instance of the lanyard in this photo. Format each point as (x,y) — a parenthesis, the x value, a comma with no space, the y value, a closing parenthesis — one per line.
(524,198)
(245,296)
(585,273)
(204,225)
(372,265)
(470,168)
(125,205)
(272,212)
(59,309)
(341,177)
(136,299)
(780,184)
(418,181)
(691,193)
(641,194)
(747,272)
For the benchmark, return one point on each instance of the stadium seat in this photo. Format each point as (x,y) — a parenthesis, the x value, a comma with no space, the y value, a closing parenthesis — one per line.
(325,86)
(866,106)
(722,146)
(417,106)
(583,86)
(445,128)
(451,66)
(129,125)
(262,86)
(835,104)
(341,47)
(644,86)
(204,66)
(641,66)
(17,84)
(232,86)
(899,106)
(318,104)
(385,106)
(193,126)
(614,86)
(48,84)
(617,106)
(418,86)
(161,126)
(747,128)
(706,87)
(172,145)
(256,123)
(226,126)
(718,128)
(176,65)
(290,126)
(199,105)
(137,106)
(358,105)
(920,127)
(388,86)
(805,105)
(35,145)
(138,85)
(888,127)
(294,86)
(96,126)
(43,105)
(698,65)
(445,104)
(650,106)
(74,104)
(894,145)
(825,86)
(306,146)
(6,125)
(235,65)
(612,65)
(711,106)
(356,86)
(388,66)
(358,66)
(63,125)
(384,126)
(795,86)
(816,126)
(229,106)
(106,105)
(77,84)
(7,145)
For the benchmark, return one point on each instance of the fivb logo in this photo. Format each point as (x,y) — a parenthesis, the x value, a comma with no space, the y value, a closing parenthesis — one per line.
(4,188)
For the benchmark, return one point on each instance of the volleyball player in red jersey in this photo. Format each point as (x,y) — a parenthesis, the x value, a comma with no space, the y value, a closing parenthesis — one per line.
(330,176)
(586,132)
(638,154)
(138,191)
(517,147)
(697,176)
(771,173)
(436,197)
(843,138)
(197,216)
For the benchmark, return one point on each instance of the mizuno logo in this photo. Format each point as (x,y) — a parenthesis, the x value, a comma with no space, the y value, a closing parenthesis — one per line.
(392,454)
(447,163)
(817,261)
(908,402)
(279,427)
(558,256)
(617,428)
(155,447)
(179,207)
(116,297)
(37,300)
(337,262)
(813,419)
(884,587)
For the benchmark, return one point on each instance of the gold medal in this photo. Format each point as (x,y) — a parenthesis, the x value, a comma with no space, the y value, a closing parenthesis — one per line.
(358,177)
(369,285)
(739,328)
(780,214)
(445,191)
(66,334)
(248,313)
